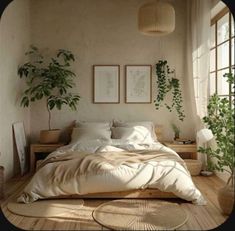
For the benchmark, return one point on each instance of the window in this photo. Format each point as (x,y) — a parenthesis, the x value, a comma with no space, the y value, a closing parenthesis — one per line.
(221,53)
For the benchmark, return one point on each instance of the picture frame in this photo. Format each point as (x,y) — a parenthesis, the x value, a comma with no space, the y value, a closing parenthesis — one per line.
(21,145)
(138,84)
(106,84)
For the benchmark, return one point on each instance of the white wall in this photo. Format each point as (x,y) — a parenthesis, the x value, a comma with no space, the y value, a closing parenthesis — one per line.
(14,39)
(105,32)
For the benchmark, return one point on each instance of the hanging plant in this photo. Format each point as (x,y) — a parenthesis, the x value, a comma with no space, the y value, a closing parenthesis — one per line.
(166,85)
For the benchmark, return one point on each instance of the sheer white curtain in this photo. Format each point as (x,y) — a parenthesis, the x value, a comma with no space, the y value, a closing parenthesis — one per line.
(199,50)
(198,58)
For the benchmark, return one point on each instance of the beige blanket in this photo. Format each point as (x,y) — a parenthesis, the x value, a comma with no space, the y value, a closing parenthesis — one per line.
(81,173)
(94,163)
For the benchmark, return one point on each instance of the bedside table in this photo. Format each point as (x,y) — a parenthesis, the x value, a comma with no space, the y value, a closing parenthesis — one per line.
(183,149)
(36,149)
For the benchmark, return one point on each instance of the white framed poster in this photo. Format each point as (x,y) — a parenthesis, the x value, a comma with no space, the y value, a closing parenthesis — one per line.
(138,84)
(106,84)
(21,145)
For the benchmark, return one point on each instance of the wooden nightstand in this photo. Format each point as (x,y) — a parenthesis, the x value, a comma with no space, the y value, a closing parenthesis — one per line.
(186,151)
(38,149)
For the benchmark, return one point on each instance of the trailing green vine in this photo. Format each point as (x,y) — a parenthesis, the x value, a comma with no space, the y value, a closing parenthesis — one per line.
(167,84)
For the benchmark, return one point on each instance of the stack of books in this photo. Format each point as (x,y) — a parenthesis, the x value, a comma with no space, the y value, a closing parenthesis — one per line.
(183,141)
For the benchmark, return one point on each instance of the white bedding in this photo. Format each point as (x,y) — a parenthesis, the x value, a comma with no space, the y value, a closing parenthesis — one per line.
(108,166)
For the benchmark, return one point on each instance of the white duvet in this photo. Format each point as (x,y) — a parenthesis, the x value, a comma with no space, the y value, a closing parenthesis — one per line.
(98,166)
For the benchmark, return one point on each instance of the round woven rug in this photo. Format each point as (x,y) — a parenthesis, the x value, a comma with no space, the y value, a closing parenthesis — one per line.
(140,215)
(47,208)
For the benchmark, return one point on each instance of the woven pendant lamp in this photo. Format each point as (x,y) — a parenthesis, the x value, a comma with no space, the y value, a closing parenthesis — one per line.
(156,18)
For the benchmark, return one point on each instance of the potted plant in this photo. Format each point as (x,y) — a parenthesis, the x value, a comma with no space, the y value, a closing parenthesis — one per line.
(166,84)
(220,121)
(176,131)
(49,80)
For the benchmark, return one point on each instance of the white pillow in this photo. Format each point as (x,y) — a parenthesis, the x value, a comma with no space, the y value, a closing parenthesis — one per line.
(90,133)
(93,124)
(136,134)
(148,124)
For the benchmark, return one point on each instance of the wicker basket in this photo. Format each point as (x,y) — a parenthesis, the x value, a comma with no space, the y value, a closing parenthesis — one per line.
(226,199)
(194,166)
(49,136)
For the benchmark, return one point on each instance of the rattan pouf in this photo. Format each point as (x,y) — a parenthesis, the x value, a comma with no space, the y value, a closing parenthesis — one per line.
(194,166)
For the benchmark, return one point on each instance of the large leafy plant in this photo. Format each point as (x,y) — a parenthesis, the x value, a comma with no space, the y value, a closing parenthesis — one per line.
(220,121)
(167,84)
(49,79)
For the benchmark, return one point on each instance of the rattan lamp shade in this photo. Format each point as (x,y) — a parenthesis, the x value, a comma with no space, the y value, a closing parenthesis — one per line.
(156,18)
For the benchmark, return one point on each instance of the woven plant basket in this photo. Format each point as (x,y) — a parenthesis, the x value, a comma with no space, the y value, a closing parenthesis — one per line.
(194,166)
(49,136)
(1,182)
(226,199)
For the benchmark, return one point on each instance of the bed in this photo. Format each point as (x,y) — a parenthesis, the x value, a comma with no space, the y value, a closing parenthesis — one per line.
(112,160)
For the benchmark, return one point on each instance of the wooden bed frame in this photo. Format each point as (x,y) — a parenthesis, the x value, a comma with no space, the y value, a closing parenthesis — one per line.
(146,193)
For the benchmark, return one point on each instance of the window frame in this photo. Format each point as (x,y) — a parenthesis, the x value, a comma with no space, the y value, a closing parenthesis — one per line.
(230,67)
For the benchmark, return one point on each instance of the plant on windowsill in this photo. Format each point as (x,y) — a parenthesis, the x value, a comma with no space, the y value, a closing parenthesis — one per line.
(220,121)
(166,85)
(49,80)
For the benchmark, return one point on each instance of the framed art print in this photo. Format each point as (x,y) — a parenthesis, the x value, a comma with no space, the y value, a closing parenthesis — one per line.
(106,84)
(138,84)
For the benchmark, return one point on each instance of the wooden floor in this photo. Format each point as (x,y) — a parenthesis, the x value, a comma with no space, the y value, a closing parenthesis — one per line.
(200,217)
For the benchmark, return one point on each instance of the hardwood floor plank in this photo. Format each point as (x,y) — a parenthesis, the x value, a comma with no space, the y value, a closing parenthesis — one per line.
(200,217)
(216,214)
(209,190)
(203,218)
(191,223)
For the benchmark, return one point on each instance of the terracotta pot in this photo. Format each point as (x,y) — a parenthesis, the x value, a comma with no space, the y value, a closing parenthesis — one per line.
(49,136)
(226,199)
